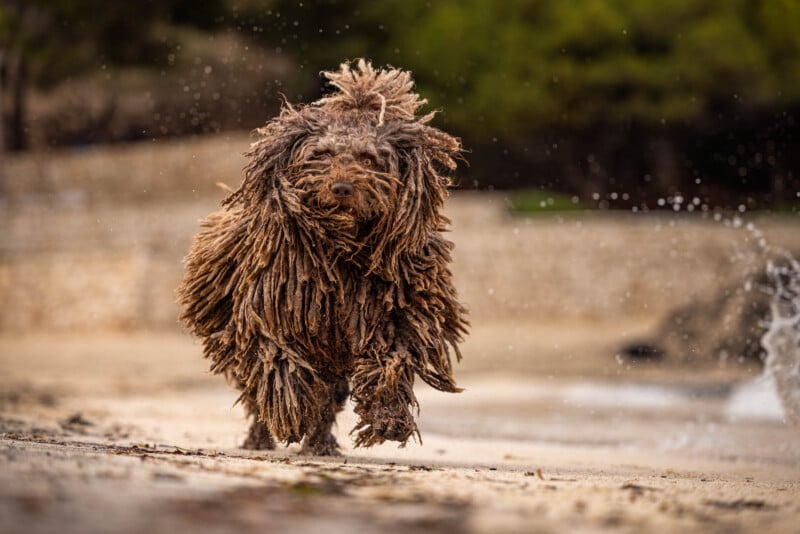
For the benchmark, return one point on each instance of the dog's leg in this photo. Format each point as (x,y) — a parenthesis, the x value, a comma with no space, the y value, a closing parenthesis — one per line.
(258,437)
(384,397)
(320,440)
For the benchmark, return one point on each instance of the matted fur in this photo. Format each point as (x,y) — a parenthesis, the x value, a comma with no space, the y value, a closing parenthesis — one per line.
(299,293)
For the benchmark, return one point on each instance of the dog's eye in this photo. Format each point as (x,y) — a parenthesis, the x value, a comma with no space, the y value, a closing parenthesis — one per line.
(367,161)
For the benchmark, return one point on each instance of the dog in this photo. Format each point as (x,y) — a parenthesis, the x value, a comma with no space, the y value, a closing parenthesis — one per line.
(326,275)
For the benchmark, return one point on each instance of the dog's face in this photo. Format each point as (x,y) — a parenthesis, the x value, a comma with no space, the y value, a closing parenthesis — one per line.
(347,172)
(355,171)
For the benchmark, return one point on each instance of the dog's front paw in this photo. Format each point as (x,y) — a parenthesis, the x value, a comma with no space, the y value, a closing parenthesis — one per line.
(258,438)
(384,424)
(394,429)
(320,444)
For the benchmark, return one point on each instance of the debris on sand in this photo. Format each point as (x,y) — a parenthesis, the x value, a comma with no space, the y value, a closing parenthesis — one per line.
(741,504)
(75,421)
(537,473)
(637,489)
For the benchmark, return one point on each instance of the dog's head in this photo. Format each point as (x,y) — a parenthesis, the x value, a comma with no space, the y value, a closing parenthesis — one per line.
(358,168)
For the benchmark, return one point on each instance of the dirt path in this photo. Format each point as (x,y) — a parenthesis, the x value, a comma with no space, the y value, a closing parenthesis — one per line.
(129,434)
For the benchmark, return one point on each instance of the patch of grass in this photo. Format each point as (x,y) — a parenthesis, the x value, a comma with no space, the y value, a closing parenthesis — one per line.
(534,201)
(785,208)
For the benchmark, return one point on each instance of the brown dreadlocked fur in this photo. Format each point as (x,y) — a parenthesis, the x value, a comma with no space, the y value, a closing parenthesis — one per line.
(328,267)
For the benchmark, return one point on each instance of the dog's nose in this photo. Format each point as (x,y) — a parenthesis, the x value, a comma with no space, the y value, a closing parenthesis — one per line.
(342,189)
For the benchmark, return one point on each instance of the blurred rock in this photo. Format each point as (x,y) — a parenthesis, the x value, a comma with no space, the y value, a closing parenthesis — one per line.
(726,326)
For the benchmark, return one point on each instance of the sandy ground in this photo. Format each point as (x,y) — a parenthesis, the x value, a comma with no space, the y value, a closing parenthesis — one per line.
(129,433)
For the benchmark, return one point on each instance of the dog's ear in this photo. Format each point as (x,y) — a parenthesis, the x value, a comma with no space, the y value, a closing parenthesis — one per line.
(426,155)
(271,155)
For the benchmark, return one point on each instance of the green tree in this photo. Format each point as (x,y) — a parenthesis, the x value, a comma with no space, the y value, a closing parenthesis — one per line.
(594,93)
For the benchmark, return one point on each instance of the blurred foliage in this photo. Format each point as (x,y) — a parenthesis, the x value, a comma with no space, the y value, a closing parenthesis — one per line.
(87,71)
(529,66)
(589,97)
(61,38)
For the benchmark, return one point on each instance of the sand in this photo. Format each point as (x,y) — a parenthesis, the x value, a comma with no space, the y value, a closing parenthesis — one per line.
(128,433)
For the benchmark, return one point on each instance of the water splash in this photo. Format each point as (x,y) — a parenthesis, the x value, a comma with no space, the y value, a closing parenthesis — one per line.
(782,339)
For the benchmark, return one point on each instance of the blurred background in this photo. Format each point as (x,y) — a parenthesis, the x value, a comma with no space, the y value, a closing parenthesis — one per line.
(618,103)
(632,167)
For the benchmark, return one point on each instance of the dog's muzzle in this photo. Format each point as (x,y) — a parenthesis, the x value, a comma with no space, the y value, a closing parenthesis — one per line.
(342,190)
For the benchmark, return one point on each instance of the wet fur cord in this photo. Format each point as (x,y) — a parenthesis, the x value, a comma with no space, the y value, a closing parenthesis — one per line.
(325,274)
